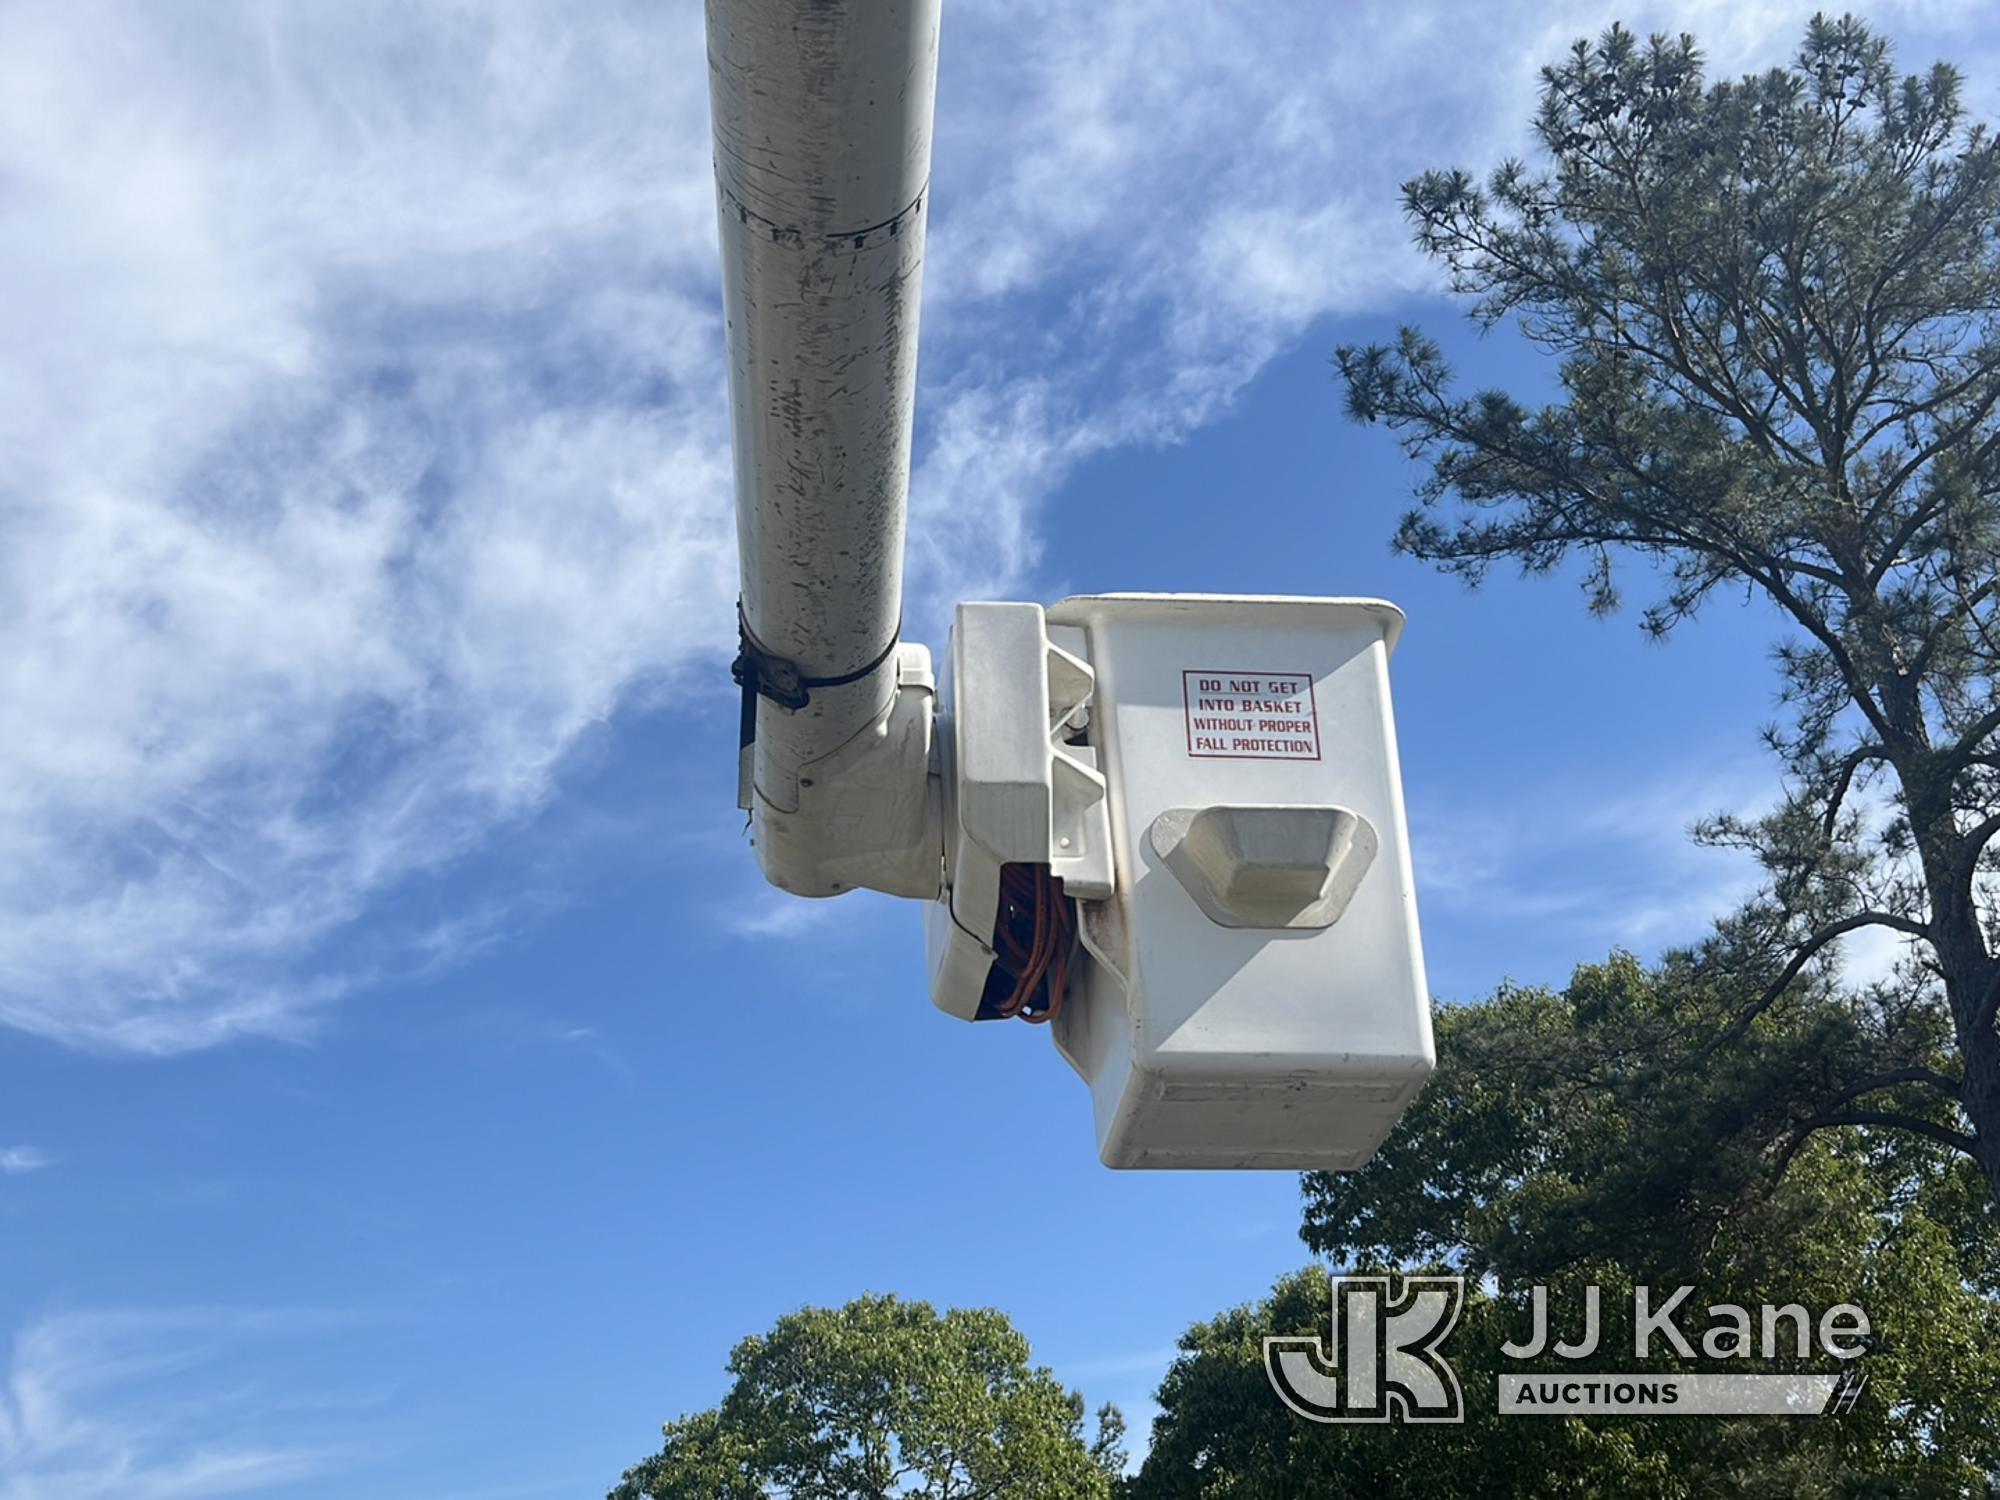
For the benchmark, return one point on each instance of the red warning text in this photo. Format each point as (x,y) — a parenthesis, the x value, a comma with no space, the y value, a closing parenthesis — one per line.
(1250,715)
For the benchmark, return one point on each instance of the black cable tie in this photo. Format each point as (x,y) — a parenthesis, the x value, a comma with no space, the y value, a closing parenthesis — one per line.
(759,671)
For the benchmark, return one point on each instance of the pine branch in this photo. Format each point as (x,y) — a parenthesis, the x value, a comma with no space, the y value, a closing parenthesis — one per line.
(1944,1135)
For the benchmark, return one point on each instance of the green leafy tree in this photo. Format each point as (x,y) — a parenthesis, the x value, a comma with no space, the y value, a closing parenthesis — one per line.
(1517,1166)
(885,1398)
(1775,306)
(1223,1434)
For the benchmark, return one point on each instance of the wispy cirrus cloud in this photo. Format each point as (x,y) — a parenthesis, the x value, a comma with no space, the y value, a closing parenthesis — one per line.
(155,1405)
(361,452)
(18,1161)
(1140,206)
(1549,874)
(361,431)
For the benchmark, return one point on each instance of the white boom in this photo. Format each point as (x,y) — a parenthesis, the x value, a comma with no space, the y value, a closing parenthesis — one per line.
(1168,826)
(822,112)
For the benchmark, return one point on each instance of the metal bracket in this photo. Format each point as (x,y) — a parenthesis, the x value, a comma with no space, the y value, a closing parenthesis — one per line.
(759,671)
(762,673)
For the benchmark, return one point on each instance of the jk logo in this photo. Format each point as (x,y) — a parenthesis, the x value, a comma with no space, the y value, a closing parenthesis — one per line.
(1383,1363)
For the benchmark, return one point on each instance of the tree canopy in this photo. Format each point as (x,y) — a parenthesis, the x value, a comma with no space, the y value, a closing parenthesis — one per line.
(885,1398)
(1775,309)
(1773,306)
(1515,1167)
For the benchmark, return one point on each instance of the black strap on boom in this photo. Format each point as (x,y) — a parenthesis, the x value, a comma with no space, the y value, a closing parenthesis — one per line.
(759,671)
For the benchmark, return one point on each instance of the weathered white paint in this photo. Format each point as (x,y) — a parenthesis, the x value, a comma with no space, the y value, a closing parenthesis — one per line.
(1223,1027)
(822,115)
(1213,778)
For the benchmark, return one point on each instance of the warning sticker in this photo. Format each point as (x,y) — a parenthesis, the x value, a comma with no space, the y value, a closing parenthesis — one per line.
(1250,715)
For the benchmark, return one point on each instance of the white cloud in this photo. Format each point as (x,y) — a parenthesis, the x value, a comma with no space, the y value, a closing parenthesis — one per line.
(1873,955)
(116,1403)
(1565,872)
(770,914)
(18,1161)
(361,451)
(1178,193)
(361,436)
(1575,870)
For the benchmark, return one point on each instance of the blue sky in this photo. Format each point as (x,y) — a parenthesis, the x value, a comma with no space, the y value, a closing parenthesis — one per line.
(406,1086)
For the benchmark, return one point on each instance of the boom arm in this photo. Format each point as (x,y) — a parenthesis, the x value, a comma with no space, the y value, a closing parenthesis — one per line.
(1169,827)
(822,114)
